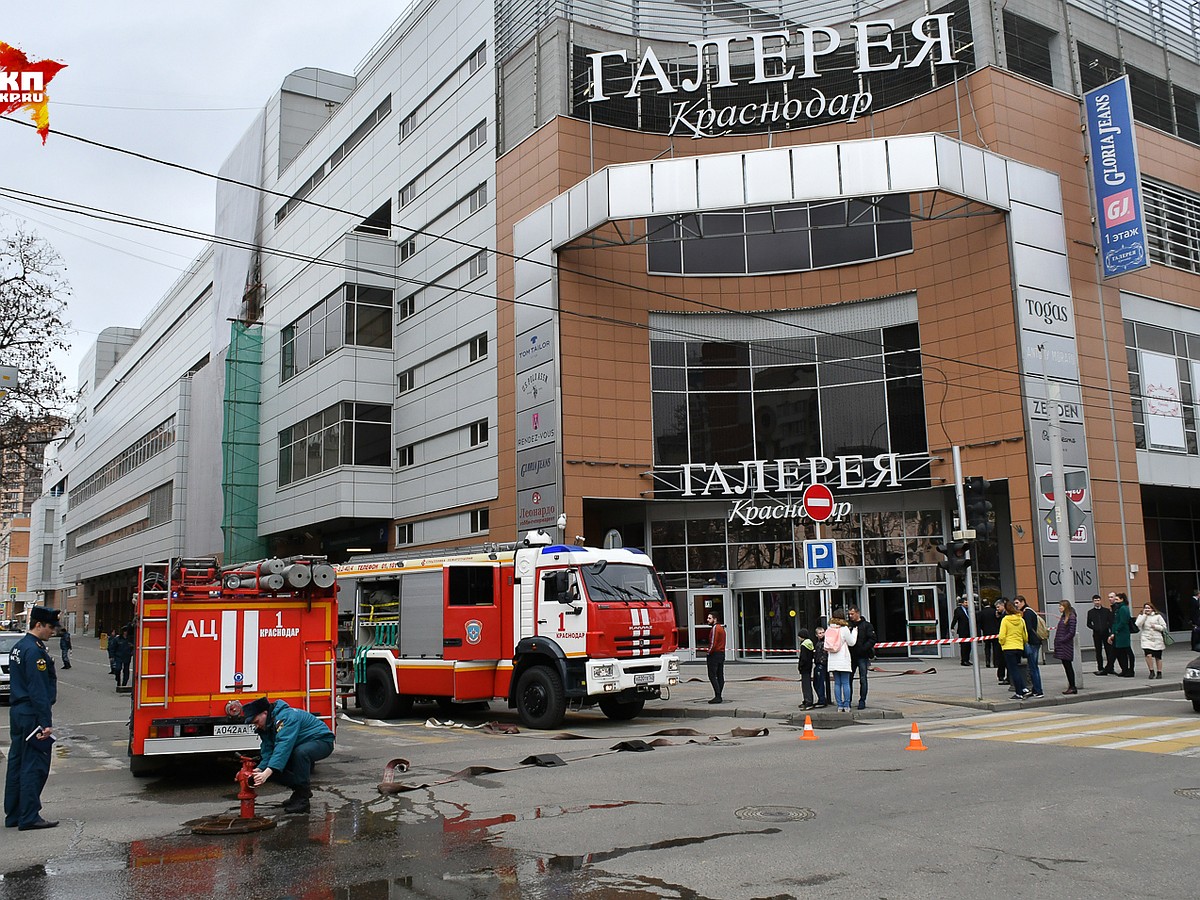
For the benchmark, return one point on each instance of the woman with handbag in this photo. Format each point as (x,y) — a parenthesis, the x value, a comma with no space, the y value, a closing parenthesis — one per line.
(1152,630)
(1064,643)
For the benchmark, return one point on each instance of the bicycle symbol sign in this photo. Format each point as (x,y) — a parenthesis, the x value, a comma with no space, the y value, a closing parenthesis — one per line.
(821,578)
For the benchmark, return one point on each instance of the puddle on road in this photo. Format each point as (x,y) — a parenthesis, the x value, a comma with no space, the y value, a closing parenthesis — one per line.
(354,852)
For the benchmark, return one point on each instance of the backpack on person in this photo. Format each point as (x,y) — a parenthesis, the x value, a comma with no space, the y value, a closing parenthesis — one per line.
(1043,631)
(833,639)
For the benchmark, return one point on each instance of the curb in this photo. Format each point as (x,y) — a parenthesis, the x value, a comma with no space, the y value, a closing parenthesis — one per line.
(1085,695)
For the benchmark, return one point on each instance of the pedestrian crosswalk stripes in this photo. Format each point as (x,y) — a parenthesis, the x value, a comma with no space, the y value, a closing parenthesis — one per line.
(1168,735)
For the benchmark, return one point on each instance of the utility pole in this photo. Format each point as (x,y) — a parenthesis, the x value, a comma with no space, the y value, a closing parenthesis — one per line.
(967,578)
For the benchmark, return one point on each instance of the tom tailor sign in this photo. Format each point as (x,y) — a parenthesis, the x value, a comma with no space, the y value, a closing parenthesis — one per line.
(790,58)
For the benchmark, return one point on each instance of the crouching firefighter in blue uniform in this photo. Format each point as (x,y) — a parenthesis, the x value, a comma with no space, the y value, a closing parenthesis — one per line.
(292,740)
(34,687)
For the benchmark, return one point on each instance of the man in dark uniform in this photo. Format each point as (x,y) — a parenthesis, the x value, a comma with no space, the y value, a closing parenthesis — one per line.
(1100,619)
(31,724)
(988,624)
(960,624)
(292,740)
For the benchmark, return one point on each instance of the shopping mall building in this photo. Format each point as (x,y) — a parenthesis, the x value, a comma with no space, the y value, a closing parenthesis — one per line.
(661,266)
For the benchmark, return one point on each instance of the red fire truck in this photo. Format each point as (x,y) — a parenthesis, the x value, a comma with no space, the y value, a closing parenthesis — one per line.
(207,635)
(543,626)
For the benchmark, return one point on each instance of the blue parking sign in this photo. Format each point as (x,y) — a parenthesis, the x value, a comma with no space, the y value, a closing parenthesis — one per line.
(820,555)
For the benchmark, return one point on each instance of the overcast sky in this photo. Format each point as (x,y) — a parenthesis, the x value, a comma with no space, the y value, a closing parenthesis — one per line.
(175,81)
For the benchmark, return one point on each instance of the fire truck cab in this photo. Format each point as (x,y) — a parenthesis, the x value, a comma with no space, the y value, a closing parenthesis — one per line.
(545,627)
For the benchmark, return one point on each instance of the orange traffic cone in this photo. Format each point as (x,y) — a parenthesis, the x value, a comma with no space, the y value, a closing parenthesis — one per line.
(914,742)
(808,734)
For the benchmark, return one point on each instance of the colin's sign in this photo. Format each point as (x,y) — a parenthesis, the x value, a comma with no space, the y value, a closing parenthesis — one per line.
(789,57)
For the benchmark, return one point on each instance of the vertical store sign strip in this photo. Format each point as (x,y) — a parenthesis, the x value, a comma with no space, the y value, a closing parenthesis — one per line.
(1046,322)
(1116,179)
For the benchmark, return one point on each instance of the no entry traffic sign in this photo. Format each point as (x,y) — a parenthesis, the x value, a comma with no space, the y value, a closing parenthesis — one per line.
(818,502)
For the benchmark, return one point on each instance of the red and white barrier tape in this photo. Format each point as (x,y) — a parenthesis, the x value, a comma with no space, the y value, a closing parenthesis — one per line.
(887,644)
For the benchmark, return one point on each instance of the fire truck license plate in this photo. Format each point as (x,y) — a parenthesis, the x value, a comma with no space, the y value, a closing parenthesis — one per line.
(219,730)
(643,679)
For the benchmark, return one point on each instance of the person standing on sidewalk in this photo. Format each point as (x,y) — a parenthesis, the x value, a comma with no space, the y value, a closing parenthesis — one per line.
(1120,637)
(64,647)
(716,658)
(1064,643)
(989,623)
(30,723)
(862,651)
(1099,620)
(839,639)
(1001,660)
(960,624)
(1033,647)
(1012,642)
(1151,628)
(821,668)
(804,663)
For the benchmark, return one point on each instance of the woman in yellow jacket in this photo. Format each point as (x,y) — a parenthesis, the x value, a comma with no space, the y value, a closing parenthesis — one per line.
(1013,637)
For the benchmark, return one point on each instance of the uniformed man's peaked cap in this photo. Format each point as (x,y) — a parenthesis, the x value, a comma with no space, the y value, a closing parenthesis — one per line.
(254,707)
(43,615)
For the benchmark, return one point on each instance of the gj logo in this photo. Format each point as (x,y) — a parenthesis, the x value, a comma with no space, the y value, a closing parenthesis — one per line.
(1118,208)
(23,85)
(474,631)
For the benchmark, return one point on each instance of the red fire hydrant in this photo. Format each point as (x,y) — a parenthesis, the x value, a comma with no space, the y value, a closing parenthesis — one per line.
(247,794)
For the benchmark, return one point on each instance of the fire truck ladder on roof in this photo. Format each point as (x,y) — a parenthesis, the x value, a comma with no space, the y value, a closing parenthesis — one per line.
(154,635)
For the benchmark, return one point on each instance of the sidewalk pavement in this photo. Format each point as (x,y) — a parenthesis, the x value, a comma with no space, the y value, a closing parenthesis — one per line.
(904,689)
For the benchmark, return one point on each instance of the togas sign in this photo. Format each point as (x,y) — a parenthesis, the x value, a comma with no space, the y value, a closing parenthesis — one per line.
(789,57)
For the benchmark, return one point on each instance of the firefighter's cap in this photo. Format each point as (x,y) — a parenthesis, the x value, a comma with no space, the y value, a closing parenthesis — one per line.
(43,615)
(254,707)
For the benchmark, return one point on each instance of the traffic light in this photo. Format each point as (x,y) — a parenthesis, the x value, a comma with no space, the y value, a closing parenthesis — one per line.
(978,508)
(958,557)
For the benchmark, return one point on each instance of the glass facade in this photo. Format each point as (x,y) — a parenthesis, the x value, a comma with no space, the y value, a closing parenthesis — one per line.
(829,395)
(352,315)
(793,237)
(345,434)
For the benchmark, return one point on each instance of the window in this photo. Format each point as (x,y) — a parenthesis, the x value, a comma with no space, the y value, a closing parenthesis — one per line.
(346,433)
(1027,46)
(479,520)
(478,137)
(479,198)
(408,124)
(404,534)
(408,307)
(471,585)
(478,265)
(353,315)
(477,59)
(478,347)
(146,447)
(406,381)
(408,249)
(794,237)
(1172,224)
(479,433)
(785,397)
(408,193)
(377,115)
(405,456)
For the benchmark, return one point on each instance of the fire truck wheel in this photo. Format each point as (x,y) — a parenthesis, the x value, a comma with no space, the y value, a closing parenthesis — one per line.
(377,695)
(621,710)
(540,699)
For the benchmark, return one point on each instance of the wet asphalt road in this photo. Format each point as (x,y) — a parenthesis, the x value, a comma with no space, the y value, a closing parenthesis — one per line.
(707,814)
